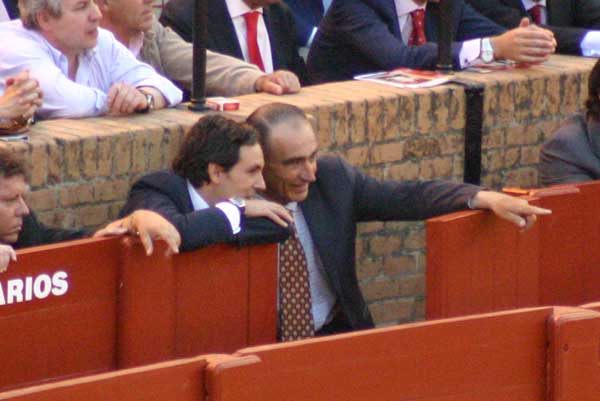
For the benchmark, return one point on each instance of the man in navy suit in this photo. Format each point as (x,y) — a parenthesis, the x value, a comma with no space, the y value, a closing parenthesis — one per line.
(307,14)
(228,31)
(329,197)
(360,36)
(569,20)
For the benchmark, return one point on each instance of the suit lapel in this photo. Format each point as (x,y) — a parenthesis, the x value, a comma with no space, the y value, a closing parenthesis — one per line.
(221,30)
(273,28)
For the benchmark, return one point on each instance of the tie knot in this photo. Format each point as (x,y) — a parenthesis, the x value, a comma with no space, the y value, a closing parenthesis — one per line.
(251,18)
(417,36)
(418,15)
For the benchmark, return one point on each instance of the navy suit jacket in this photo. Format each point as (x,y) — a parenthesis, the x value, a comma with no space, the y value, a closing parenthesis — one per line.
(342,196)
(35,233)
(12,8)
(569,20)
(361,36)
(178,14)
(307,15)
(167,194)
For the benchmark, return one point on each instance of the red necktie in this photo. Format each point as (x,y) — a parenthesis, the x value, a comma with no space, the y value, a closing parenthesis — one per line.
(252,39)
(536,13)
(417,36)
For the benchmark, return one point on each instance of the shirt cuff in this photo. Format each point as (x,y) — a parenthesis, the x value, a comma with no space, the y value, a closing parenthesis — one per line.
(590,45)
(469,52)
(232,213)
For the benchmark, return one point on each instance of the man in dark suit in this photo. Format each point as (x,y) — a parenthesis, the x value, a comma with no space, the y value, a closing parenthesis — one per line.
(19,227)
(207,194)
(569,20)
(361,36)
(573,152)
(227,32)
(12,8)
(330,197)
(307,15)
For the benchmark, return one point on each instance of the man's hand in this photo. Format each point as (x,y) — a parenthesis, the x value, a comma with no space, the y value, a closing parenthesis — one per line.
(21,98)
(125,99)
(7,253)
(271,210)
(525,44)
(516,210)
(149,226)
(278,83)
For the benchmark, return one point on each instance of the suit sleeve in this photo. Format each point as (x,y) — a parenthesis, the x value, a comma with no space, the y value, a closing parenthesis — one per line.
(495,10)
(225,76)
(365,30)
(405,200)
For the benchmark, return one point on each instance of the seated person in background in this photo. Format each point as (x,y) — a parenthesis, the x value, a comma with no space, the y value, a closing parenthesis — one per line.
(19,228)
(573,153)
(361,36)
(20,100)
(261,32)
(82,70)
(207,194)
(307,15)
(133,24)
(328,198)
(569,20)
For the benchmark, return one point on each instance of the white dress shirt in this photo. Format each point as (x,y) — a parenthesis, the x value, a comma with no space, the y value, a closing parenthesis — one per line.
(3,13)
(237,9)
(529,4)
(99,68)
(470,51)
(322,297)
(230,210)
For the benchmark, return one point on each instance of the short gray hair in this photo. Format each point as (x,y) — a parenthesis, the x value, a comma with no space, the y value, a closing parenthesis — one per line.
(29,10)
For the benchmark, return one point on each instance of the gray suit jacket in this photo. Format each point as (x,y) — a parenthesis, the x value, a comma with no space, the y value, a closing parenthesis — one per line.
(569,20)
(171,56)
(572,154)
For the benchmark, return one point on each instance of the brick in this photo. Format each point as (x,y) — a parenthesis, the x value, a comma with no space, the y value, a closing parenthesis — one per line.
(392,312)
(358,156)
(493,138)
(380,245)
(456,109)
(440,167)
(526,177)
(388,152)
(75,195)
(440,112)
(375,120)
(357,122)
(339,123)
(370,227)
(368,268)
(512,157)
(391,119)
(530,155)
(93,216)
(493,160)
(406,115)
(376,290)
(421,147)
(105,157)
(411,286)
(71,151)
(425,118)
(404,171)
(415,240)
(522,135)
(89,162)
(121,148)
(451,144)
(399,265)
(42,200)
(111,190)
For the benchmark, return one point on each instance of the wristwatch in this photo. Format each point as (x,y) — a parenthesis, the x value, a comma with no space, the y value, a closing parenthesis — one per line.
(239,202)
(149,102)
(487,50)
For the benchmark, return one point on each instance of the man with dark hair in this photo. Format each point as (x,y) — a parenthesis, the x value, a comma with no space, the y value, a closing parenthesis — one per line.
(19,227)
(361,36)
(328,198)
(573,152)
(575,23)
(208,195)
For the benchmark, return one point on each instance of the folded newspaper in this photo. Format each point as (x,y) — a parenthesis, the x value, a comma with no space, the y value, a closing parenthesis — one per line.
(406,78)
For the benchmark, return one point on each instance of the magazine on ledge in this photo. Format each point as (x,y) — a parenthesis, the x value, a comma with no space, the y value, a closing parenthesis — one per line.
(406,78)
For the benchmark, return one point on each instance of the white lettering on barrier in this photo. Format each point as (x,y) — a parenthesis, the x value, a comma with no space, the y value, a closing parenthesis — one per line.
(18,290)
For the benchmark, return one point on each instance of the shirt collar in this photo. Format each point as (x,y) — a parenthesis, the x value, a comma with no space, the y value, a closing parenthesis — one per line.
(198,203)
(136,43)
(528,4)
(292,206)
(404,7)
(237,8)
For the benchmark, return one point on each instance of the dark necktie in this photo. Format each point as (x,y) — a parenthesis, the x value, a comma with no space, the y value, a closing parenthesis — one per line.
(295,312)
(536,13)
(417,36)
(252,39)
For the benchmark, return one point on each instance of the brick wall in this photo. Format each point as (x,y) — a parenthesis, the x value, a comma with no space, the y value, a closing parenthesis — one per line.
(80,170)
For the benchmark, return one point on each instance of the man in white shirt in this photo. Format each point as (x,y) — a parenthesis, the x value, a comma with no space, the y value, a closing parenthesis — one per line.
(209,196)
(575,23)
(82,69)
(133,24)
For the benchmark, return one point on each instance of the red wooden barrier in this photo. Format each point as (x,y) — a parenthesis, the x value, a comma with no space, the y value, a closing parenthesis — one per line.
(99,304)
(500,357)
(478,263)
(180,380)
(58,311)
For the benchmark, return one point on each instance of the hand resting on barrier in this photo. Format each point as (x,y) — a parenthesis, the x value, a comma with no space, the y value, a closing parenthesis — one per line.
(7,253)
(516,210)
